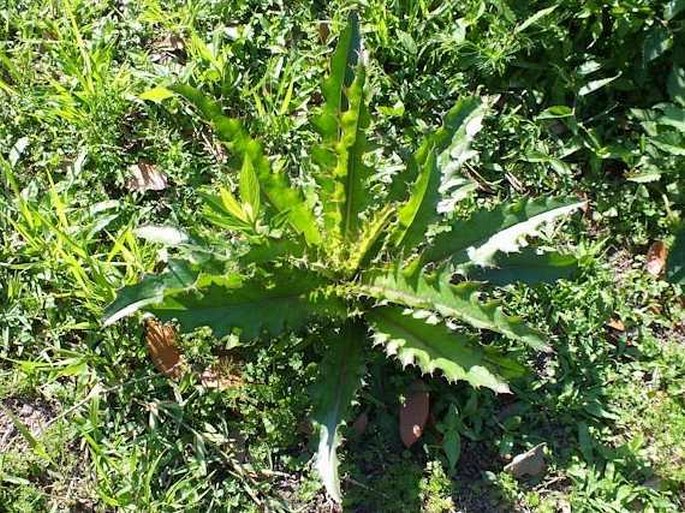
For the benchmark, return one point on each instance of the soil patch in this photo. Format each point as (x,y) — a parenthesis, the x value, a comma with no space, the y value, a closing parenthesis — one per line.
(35,415)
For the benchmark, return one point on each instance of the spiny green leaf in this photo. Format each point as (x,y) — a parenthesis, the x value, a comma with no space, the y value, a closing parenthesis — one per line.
(422,207)
(274,185)
(285,298)
(434,347)
(453,140)
(340,374)
(480,237)
(342,123)
(227,129)
(529,266)
(370,241)
(449,142)
(436,164)
(151,289)
(460,302)
(342,66)
(351,149)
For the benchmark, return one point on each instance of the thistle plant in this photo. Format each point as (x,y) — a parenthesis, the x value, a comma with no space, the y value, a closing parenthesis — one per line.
(374,261)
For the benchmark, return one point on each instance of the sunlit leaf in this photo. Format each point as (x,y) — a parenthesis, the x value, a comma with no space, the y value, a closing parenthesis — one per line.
(340,374)
(156,94)
(275,185)
(250,305)
(478,238)
(434,347)
(150,290)
(459,302)
(342,122)
(528,266)
(659,39)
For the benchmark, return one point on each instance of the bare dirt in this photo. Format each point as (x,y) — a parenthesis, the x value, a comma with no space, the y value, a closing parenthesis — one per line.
(35,415)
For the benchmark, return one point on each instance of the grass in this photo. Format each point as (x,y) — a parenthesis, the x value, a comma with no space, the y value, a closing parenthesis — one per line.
(110,433)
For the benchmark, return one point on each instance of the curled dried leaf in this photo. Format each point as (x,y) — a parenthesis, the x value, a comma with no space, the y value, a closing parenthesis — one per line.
(167,48)
(161,344)
(414,413)
(656,258)
(222,374)
(616,324)
(145,176)
(324,31)
(361,423)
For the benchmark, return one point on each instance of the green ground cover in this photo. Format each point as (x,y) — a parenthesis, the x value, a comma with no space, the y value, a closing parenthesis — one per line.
(587,99)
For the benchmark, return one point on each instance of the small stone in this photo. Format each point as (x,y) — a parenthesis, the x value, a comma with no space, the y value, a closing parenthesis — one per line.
(531,463)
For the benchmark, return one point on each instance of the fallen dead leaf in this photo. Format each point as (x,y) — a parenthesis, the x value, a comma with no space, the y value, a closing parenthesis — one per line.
(530,463)
(172,42)
(414,413)
(222,374)
(324,31)
(361,423)
(305,427)
(167,48)
(563,506)
(656,258)
(145,176)
(616,324)
(161,344)
(585,207)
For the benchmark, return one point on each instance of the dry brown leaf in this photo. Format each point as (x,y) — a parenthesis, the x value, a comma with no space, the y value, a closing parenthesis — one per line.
(656,258)
(530,463)
(161,344)
(305,427)
(222,374)
(361,423)
(172,43)
(167,48)
(324,31)
(616,324)
(144,176)
(414,413)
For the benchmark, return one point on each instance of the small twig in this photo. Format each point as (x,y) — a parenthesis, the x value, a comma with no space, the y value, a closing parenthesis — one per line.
(366,487)
(471,172)
(546,484)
